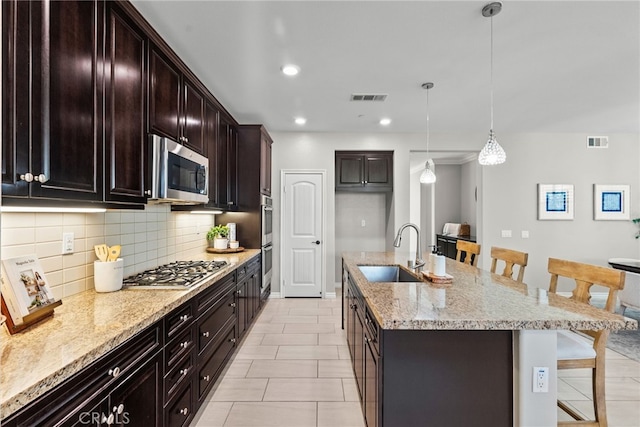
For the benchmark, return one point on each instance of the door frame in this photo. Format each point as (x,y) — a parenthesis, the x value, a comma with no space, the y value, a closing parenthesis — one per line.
(323,252)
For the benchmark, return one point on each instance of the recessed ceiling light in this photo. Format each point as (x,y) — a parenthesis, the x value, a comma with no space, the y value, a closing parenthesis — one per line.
(290,69)
(300,121)
(385,121)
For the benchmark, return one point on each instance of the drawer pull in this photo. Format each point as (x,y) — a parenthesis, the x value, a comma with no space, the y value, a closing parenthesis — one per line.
(184,317)
(118,409)
(233,304)
(366,320)
(111,419)
(114,372)
(183,372)
(184,411)
(240,292)
(232,340)
(206,378)
(205,334)
(367,340)
(184,344)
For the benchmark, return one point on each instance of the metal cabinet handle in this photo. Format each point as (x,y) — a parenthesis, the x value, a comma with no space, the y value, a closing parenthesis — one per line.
(205,334)
(27,177)
(240,292)
(184,411)
(233,304)
(184,344)
(366,182)
(114,372)
(206,378)
(41,178)
(147,192)
(184,317)
(118,409)
(111,419)
(183,372)
(232,340)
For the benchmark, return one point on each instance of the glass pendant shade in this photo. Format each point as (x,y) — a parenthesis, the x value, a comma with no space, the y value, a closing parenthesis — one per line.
(428,175)
(492,153)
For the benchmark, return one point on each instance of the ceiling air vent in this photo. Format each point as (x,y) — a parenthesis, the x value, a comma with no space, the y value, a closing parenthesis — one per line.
(597,142)
(368,96)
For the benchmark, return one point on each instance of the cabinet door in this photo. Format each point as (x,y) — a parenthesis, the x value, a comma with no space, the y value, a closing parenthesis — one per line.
(370,386)
(66,109)
(227,164)
(193,121)
(232,199)
(265,165)
(138,400)
(241,294)
(378,171)
(125,97)
(164,96)
(16,91)
(211,135)
(358,354)
(349,171)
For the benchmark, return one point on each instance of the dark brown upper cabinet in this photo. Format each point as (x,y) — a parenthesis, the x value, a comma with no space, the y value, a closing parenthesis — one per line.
(176,106)
(370,171)
(226,180)
(255,179)
(265,163)
(125,108)
(52,114)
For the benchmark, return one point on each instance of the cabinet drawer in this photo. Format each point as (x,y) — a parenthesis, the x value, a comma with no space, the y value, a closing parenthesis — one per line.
(178,320)
(179,412)
(176,349)
(215,319)
(177,376)
(213,293)
(371,332)
(211,368)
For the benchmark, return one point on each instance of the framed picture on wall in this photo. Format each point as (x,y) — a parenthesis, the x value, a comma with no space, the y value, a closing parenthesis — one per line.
(610,202)
(555,202)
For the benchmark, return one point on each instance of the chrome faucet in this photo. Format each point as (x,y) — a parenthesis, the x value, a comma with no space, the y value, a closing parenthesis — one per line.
(419,262)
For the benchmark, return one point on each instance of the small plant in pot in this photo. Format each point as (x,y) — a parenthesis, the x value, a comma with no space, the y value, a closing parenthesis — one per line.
(218,237)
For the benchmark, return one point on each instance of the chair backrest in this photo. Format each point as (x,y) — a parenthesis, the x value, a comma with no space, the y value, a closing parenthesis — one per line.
(511,258)
(471,251)
(587,275)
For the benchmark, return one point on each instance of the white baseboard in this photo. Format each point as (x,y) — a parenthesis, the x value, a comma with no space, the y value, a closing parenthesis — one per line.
(275,295)
(330,295)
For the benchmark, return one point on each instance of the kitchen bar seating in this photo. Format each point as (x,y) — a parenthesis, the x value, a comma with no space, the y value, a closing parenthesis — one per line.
(470,250)
(511,258)
(575,351)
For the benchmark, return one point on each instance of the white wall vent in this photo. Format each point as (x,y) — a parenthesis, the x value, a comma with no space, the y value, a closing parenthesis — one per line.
(597,142)
(368,96)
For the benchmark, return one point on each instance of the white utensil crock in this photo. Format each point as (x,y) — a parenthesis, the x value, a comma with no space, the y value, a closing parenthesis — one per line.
(107,276)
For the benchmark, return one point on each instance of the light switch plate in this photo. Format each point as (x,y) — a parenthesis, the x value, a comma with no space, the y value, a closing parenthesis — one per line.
(506,233)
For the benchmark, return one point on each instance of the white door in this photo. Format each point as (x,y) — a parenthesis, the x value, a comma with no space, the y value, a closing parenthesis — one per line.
(302,233)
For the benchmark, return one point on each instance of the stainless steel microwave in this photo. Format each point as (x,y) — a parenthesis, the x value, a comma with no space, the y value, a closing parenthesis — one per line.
(178,175)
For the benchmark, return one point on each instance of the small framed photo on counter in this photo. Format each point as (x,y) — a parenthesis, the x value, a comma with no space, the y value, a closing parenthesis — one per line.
(610,202)
(555,202)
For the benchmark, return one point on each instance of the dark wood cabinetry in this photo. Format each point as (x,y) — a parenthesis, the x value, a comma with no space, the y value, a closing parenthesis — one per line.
(226,158)
(125,108)
(447,244)
(249,302)
(52,112)
(176,106)
(364,171)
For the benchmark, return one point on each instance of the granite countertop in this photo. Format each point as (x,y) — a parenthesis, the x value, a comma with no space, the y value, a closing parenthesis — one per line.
(477,300)
(83,328)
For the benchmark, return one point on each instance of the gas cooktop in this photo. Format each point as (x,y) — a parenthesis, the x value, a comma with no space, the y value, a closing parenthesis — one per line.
(175,275)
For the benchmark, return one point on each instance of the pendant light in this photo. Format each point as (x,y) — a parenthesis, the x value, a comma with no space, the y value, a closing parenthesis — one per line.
(428,175)
(492,153)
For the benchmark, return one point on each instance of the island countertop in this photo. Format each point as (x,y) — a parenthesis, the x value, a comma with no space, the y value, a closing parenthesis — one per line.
(83,328)
(476,300)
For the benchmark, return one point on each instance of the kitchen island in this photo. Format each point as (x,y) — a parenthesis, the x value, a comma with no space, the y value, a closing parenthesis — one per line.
(90,325)
(426,354)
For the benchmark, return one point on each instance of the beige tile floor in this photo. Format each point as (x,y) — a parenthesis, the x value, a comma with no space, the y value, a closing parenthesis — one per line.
(293,369)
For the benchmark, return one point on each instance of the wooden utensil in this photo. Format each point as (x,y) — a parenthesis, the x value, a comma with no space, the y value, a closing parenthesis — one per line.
(102,252)
(114,253)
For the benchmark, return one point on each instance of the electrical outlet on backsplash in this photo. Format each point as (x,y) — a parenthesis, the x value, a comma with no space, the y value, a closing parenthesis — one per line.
(148,238)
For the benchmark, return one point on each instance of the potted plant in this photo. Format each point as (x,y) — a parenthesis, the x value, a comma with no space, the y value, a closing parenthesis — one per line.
(218,237)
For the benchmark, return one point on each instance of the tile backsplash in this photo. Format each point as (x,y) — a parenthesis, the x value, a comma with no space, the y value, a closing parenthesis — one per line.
(148,238)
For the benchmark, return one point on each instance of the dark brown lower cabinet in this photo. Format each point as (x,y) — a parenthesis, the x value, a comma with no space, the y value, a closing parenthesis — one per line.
(162,375)
(430,378)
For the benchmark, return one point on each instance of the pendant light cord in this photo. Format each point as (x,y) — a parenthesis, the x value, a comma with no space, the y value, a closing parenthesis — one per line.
(427,122)
(491,77)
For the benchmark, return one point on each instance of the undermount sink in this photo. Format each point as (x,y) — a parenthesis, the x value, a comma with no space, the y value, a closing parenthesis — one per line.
(387,273)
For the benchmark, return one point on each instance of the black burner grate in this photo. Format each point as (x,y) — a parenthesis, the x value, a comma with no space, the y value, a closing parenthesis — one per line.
(179,274)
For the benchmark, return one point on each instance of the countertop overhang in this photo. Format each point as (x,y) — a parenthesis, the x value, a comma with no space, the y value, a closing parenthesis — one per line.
(84,328)
(477,300)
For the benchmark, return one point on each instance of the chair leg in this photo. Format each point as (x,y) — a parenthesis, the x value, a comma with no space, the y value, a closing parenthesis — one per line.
(598,386)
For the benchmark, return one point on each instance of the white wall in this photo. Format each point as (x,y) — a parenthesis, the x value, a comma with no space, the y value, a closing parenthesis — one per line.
(448,199)
(506,194)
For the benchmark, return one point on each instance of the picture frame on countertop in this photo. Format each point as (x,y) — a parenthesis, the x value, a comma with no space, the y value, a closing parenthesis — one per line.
(611,202)
(555,202)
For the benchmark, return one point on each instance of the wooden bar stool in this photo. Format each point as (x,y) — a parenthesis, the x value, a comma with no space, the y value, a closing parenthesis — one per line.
(511,258)
(470,250)
(576,351)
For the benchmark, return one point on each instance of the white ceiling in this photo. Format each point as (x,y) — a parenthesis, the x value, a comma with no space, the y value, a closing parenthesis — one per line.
(559,66)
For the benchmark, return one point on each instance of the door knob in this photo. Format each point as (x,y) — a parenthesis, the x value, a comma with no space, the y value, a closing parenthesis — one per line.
(317,242)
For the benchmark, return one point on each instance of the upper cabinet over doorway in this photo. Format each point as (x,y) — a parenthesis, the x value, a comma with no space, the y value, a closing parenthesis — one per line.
(370,171)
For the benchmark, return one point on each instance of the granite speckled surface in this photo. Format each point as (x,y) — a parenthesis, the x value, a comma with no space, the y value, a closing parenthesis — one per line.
(476,300)
(83,328)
